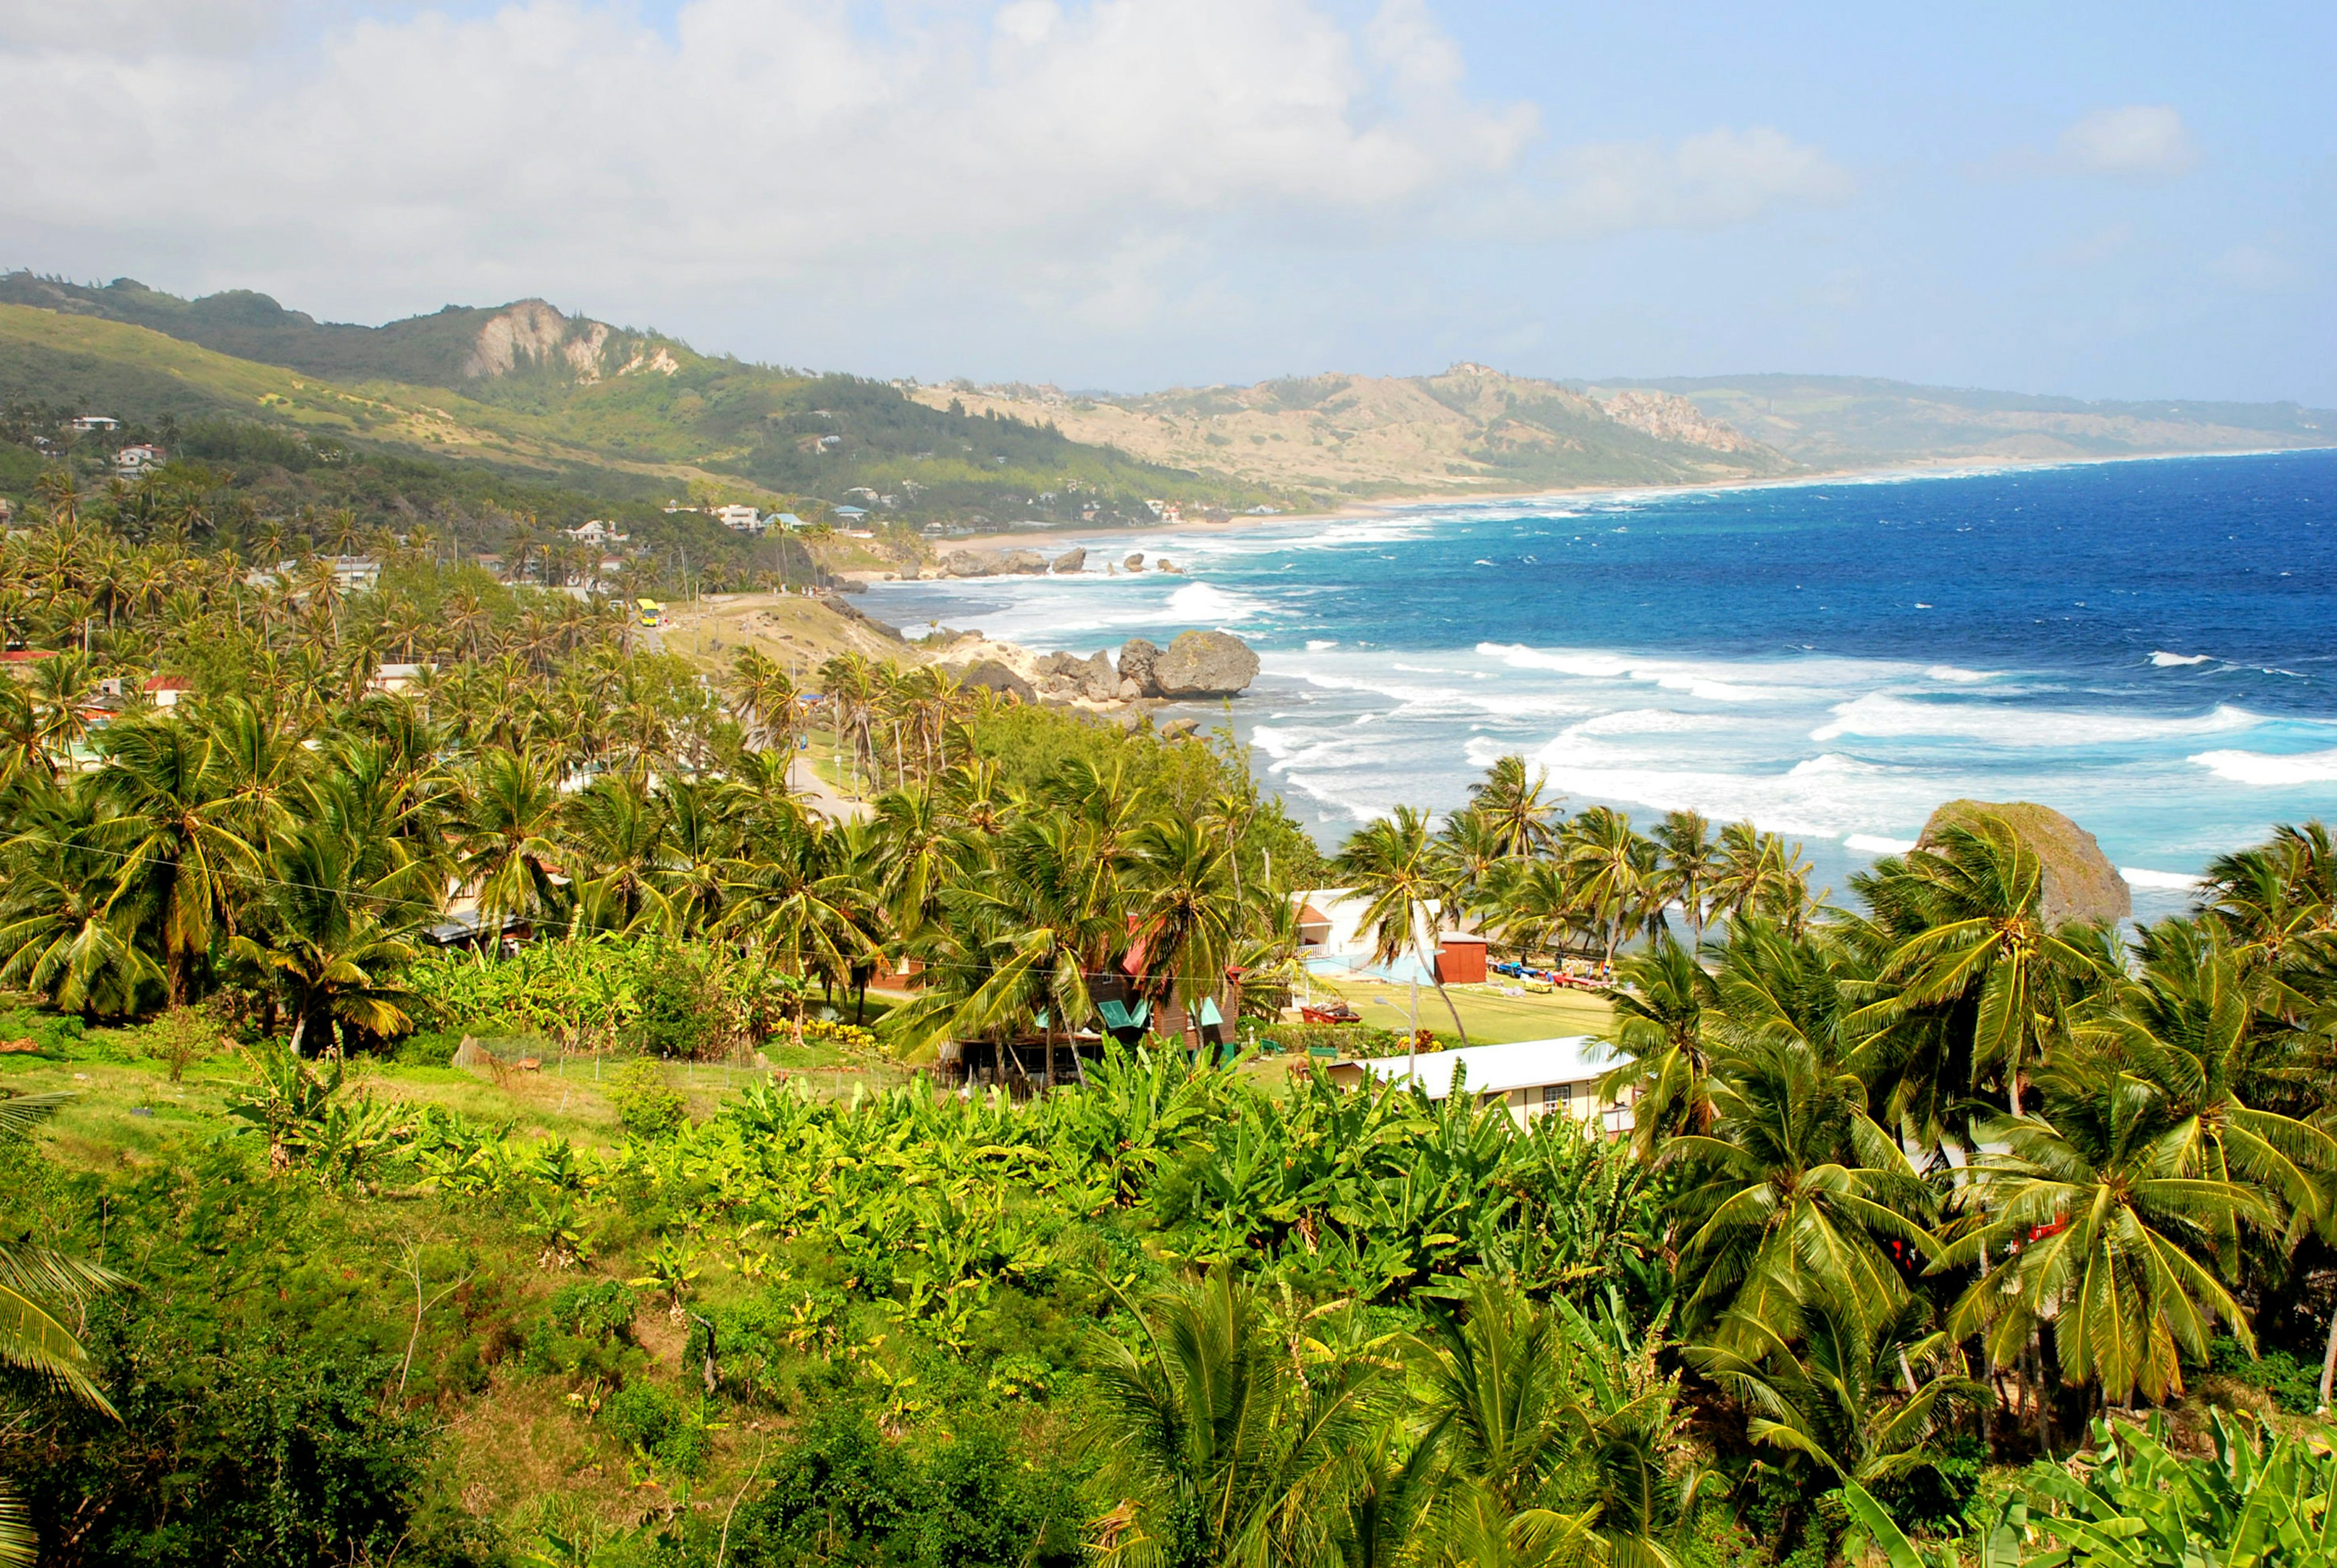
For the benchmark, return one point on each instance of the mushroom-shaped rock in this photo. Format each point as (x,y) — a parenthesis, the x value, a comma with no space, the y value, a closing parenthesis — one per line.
(1205,664)
(2079,881)
(1135,562)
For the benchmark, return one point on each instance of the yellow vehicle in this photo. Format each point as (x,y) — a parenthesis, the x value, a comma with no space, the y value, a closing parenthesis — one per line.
(652,612)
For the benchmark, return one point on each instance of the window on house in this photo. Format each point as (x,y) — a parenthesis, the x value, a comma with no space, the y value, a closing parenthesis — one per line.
(1554,1096)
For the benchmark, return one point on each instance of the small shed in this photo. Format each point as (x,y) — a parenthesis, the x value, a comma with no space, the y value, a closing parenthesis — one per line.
(1461,959)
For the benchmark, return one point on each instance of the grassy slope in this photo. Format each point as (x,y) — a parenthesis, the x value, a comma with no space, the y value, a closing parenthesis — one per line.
(1466,431)
(1842,421)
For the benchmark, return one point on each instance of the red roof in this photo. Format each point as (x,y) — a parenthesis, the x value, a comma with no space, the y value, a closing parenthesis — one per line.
(27,655)
(168,683)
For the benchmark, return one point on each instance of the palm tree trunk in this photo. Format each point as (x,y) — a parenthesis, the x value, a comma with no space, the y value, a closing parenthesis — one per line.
(1437,979)
(2329,1363)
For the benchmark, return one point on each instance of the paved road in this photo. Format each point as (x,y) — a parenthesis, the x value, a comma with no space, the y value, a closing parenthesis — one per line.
(805,781)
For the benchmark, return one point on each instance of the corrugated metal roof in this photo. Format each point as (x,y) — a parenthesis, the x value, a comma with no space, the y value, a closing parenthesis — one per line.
(1497,1069)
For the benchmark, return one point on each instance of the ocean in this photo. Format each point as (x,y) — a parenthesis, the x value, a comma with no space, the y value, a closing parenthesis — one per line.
(2150,646)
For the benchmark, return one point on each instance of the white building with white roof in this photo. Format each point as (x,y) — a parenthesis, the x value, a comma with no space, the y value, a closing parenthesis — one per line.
(1532,1079)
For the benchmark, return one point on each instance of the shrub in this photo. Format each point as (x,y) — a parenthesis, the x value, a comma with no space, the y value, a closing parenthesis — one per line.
(428,1048)
(648,1107)
(2294,1385)
(655,1426)
(587,1331)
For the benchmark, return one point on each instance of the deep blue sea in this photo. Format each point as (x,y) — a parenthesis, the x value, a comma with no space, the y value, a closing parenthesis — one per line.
(2150,647)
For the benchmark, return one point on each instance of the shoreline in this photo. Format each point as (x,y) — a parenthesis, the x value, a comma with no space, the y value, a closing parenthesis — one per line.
(1385,506)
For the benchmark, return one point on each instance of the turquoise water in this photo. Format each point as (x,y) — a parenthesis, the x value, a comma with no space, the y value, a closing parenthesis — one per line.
(2150,647)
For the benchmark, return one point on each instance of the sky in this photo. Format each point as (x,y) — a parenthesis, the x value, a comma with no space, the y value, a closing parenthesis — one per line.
(2105,201)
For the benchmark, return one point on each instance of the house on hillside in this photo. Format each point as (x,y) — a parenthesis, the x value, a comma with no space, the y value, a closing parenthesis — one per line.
(133,461)
(596,532)
(1532,1079)
(96,421)
(739,519)
(165,690)
(398,678)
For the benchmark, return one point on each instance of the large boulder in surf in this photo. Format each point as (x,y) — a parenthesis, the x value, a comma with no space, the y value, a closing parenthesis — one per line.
(1070,560)
(2079,883)
(1205,664)
(1137,657)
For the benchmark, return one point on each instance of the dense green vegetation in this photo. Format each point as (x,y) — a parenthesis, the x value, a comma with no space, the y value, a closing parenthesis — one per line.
(1917,1195)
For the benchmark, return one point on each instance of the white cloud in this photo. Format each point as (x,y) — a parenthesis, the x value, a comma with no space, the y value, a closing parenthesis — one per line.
(2147,139)
(1720,177)
(1078,165)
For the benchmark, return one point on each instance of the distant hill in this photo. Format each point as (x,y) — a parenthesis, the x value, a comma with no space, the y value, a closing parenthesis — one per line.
(527,387)
(1470,431)
(1852,422)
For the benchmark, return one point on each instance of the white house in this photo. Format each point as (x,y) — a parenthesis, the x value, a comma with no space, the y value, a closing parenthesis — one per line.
(133,461)
(739,519)
(595,532)
(1532,1079)
(97,422)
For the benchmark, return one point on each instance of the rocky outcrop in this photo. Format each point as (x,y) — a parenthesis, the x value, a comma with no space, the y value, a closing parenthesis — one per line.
(1163,564)
(1068,676)
(990,563)
(1667,416)
(1204,664)
(1134,563)
(2079,883)
(991,675)
(1137,657)
(1071,560)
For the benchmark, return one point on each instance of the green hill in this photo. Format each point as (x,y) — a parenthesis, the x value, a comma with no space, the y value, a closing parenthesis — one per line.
(526,388)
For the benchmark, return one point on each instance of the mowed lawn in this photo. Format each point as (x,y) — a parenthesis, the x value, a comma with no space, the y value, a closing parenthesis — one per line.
(1492,1018)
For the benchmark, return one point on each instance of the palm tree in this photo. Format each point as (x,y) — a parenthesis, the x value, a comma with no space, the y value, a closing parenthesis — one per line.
(1659,1005)
(1611,869)
(509,833)
(1390,865)
(765,699)
(1858,1390)
(1981,944)
(65,933)
(619,832)
(1189,910)
(173,828)
(1690,863)
(1793,1187)
(322,939)
(1511,806)
(2080,1223)
(62,686)
(1224,1453)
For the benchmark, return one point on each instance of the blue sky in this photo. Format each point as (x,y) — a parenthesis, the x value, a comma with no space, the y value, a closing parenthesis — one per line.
(2106,201)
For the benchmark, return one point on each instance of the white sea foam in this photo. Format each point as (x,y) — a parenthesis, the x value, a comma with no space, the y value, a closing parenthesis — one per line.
(2254,768)
(2164,660)
(1874,844)
(1697,680)
(2168,881)
(1881,715)
(1199,601)
(1948,672)
(1317,644)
